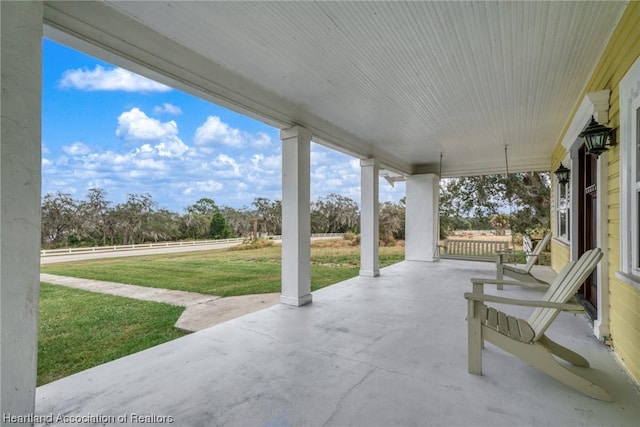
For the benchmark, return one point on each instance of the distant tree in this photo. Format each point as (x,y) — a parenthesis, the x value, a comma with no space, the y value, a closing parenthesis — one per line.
(391,222)
(94,216)
(60,219)
(477,199)
(219,228)
(131,220)
(239,220)
(163,225)
(500,222)
(451,210)
(334,214)
(268,215)
(204,206)
(194,226)
(196,222)
(531,202)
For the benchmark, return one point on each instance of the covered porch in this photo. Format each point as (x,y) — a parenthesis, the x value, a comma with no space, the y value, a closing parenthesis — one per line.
(383,351)
(388,350)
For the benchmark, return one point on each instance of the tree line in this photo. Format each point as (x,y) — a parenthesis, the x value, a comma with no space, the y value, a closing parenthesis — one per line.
(95,221)
(519,202)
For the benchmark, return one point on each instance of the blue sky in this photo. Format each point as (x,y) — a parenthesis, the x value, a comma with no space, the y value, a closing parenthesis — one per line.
(105,127)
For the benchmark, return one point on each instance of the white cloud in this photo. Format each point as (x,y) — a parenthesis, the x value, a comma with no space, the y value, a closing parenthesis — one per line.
(158,162)
(136,125)
(167,108)
(105,79)
(262,140)
(264,163)
(215,130)
(151,164)
(226,167)
(317,157)
(76,149)
(172,148)
(62,160)
(208,186)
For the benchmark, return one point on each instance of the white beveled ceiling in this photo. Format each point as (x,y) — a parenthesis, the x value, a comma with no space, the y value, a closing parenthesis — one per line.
(401,81)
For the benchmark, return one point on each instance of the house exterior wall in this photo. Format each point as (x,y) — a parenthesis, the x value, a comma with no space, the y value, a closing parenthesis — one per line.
(621,52)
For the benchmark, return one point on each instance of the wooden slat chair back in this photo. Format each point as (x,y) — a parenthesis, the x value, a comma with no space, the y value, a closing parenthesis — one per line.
(522,272)
(568,285)
(532,257)
(527,245)
(526,339)
(519,329)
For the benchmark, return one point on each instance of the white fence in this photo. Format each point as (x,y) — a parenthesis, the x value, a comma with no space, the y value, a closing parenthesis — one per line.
(97,249)
(67,251)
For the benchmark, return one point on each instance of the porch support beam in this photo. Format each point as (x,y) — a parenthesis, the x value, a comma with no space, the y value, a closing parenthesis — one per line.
(296,216)
(20,174)
(369,234)
(422,221)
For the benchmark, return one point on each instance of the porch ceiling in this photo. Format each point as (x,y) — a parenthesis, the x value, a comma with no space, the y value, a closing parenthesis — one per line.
(402,81)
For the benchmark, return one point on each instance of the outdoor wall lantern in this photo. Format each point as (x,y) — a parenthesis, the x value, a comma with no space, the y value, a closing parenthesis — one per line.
(562,174)
(597,138)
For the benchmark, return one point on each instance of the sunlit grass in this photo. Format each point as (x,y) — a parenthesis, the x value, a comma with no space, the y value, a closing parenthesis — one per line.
(226,272)
(79,330)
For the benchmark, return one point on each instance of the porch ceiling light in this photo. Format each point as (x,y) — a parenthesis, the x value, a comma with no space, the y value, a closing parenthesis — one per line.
(597,138)
(562,174)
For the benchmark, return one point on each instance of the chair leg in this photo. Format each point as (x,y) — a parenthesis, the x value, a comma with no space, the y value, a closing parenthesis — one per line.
(475,340)
(540,358)
(563,352)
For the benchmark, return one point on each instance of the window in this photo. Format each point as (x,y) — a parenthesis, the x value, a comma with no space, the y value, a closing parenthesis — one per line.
(630,176)
(563,211)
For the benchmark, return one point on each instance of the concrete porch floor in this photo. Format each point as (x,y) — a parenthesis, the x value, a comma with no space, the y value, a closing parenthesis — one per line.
(386,351)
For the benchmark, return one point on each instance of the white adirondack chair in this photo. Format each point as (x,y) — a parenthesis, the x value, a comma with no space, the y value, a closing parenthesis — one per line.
(526,339)
(521,272)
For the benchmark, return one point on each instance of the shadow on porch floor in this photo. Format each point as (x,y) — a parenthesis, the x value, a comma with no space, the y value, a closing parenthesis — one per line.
(386,351)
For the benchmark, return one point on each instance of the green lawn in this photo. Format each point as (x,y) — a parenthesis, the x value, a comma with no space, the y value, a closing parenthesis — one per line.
(225,272)
(79,330)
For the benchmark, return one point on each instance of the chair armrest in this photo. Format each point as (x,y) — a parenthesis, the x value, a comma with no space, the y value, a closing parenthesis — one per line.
(502,256)
(524,303)
(490,281)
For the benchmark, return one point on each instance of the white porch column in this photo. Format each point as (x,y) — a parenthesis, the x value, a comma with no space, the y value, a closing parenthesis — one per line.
(369,210)
(20,173)
(422,217)
(296,216)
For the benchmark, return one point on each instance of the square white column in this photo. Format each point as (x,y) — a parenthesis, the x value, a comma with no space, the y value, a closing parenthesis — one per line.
(20,175)
(296,216)
(422,217)
(369,212)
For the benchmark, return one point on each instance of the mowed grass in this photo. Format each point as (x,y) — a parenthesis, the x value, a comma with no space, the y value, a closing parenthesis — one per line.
(79,329)
(225,272)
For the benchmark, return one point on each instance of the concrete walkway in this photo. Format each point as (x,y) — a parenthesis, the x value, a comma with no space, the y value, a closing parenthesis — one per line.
(201,311)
